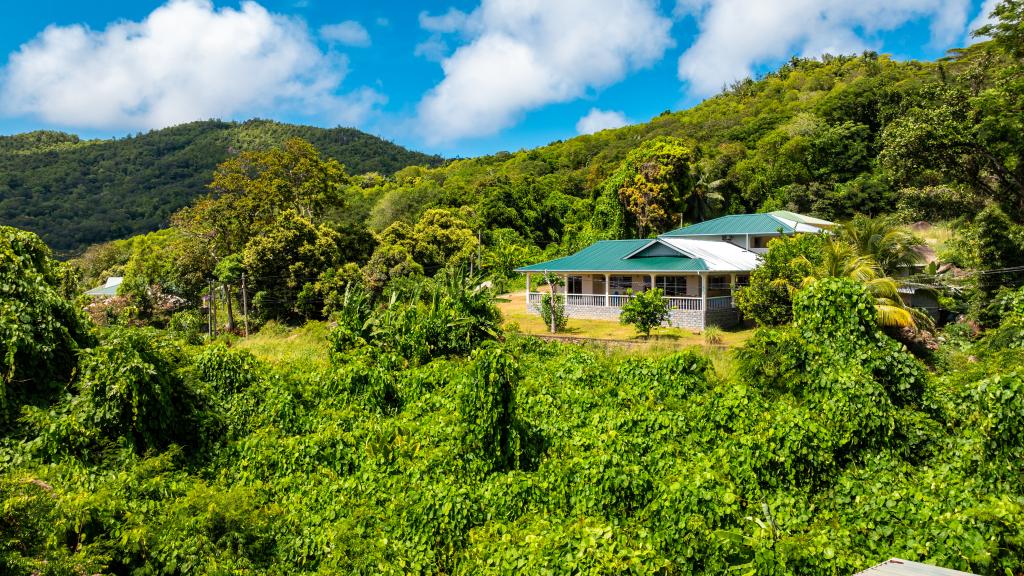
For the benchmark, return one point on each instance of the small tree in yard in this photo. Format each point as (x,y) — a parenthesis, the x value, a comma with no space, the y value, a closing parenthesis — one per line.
(645,310)
(552,310)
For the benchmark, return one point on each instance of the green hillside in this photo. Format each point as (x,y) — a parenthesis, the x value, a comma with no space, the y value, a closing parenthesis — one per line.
(77,192)
(833,137)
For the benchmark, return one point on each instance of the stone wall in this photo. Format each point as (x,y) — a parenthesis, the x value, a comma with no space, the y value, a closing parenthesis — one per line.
(692,319)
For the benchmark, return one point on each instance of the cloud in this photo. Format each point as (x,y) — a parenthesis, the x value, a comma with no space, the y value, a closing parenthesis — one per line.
(518,55)
(434,49)
(451,21)
(597,120)
(984,17)
(736,35)
(349,33)
(185,61)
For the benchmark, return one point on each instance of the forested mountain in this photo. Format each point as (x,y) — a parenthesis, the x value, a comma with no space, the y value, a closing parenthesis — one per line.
(831,136)
(77,192)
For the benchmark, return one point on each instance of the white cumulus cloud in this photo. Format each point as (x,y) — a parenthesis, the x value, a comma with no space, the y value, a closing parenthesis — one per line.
(984,17)
(349,33)
(597,120)
(518,55)
(736,35)
(186,60)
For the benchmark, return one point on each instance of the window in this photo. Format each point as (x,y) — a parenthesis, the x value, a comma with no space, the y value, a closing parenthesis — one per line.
(672,285)
(718,283)
(760,241)
(574,285)
(743,280)
(598,284)
(620,284)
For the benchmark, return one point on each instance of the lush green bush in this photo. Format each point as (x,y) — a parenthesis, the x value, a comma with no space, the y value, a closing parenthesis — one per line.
(41,330)
(645,310)
(768,299)
(552,312)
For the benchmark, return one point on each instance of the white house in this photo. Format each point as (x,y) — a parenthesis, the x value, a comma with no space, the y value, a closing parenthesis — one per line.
(697,267)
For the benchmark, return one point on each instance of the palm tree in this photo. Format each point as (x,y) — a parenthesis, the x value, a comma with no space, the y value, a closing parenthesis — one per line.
(894,248)
(840,259)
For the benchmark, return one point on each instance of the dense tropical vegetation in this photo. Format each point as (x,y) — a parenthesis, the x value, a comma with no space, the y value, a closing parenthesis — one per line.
(76,192)
(409,431)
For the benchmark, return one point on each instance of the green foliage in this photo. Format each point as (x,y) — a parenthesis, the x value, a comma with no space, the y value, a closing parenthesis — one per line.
(645,310)
(713,336)
(445,315)
(1000,245)
(767,300)
(79,192)
(653,182)
(130,388)
(227,371)
(552,312)
(187,325)
(41,331)
(488,412)
(283,260)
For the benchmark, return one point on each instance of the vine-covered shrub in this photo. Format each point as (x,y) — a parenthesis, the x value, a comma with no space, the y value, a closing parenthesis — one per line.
(227,370)
(487,407)
(41,330)
(130,388)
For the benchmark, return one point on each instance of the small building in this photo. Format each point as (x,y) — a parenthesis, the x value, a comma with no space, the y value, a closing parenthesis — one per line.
(109,288)
(696,266)
(920,296)
(898,567)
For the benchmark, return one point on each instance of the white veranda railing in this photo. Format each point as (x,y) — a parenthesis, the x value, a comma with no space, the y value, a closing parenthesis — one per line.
(618,300)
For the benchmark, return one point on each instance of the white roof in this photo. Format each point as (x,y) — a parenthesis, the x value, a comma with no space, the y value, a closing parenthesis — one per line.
(898,567)
(718,256)
(113,281)
(799,227)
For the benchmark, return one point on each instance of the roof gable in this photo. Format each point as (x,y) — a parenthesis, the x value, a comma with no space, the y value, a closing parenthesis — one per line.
(620,256)
(716,255)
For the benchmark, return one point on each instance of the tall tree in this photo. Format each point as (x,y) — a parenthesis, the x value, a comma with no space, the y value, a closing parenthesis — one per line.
(654,182)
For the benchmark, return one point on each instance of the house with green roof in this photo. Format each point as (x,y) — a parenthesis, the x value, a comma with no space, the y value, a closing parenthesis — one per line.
(697,267)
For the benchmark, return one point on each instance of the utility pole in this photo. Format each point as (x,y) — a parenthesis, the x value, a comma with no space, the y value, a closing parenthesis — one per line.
(245,306)
(209,312)
(213,309)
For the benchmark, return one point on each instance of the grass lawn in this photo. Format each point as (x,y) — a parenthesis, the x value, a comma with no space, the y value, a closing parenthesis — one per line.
(513,310)
(277,344)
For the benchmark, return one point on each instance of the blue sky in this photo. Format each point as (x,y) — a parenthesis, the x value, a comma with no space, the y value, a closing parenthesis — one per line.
(457,77)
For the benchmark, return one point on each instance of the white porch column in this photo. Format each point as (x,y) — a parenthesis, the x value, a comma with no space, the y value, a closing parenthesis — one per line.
(653,283)
(704,292)
(527,291)
(607,289)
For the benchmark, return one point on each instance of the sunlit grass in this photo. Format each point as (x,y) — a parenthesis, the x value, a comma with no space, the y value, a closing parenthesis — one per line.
(303,346)
(937,235)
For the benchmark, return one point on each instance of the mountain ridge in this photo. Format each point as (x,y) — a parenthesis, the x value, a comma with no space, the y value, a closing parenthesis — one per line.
(75,192)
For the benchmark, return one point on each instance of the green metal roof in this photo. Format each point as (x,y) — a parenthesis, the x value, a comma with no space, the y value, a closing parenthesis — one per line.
(610,256)
(734,225)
